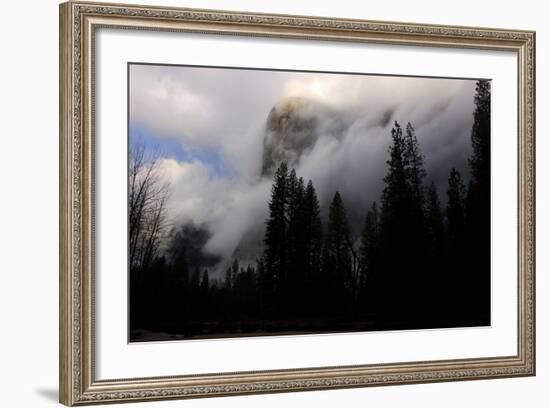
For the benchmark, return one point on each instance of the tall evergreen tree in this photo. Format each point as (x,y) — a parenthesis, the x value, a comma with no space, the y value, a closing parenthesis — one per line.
(396,195)
(265,284)
(414,166)
(417,230)
(368,256)
(396,177)
(312,241)
(294,284)
(234,271)
(228,281)
(337,256)
(204,297)
(435,225)
(438,279)
(478,211)
(396,278)
(275,240)
(174,285)
(205,281)
(455,208)
(460,287)
(480,163)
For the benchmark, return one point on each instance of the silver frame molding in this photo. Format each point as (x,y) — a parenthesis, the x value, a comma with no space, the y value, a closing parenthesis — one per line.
(78,22)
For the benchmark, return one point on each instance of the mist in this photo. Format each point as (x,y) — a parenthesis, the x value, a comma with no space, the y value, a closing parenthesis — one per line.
(223,131)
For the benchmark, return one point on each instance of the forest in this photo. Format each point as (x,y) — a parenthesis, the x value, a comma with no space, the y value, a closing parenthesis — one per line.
(416,264)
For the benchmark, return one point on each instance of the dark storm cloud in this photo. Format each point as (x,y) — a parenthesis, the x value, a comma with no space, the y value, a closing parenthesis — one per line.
(228,109)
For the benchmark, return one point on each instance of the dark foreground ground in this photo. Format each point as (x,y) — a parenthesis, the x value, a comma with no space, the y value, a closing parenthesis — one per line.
(215,329)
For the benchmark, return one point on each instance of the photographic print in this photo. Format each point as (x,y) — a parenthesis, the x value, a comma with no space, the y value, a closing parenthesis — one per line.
(272,202)
(316,208)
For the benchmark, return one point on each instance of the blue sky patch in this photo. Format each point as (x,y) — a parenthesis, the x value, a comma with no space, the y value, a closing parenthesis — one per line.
(211,157)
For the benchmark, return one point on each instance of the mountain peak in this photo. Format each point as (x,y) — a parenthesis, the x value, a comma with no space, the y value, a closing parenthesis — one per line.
(292,127)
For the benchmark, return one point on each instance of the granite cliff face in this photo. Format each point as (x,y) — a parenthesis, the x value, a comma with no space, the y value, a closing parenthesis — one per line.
(292,128)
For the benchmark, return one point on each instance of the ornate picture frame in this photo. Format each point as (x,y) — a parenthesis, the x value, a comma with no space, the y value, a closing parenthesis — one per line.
(79,22)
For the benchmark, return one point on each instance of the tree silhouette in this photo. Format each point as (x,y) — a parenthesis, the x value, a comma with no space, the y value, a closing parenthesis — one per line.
(275,240)
(417,280)
(414,166)
(480,162)
(337,262)
(396,280)
(294,284)
(435,225)
(304,243)
(478,210)
(414,264)
(438,277)
(455,213)
(147,195)
(369,258)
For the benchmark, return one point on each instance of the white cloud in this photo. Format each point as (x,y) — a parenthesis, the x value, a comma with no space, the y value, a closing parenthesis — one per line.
(227,109)
(165,105)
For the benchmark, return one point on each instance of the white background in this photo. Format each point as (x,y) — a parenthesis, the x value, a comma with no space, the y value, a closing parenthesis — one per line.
(28,220)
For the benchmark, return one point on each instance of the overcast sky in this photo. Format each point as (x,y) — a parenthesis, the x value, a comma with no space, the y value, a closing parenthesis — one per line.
(210,125)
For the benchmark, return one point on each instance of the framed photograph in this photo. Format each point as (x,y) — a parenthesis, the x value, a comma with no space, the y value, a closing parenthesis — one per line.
(256,203)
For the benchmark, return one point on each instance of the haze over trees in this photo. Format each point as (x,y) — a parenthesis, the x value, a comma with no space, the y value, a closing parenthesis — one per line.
(414,264)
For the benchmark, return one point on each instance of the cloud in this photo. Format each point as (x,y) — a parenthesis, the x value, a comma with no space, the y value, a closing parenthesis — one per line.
(203,109)
(227,110)
(165,104)
(229,208)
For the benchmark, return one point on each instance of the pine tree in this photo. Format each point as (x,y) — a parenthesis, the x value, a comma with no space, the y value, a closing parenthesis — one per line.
(246,293)
(396,254)
(368,256)
(174,285)
(228,281)
(294,283)
(459,283)
(438,278)
(396,193)
(414,165)
(417,231)
(205,282)
(313,241)
(435,224)
(478,210)
(296,191)
(481,133)
(234,271)
(204,297)
(337,262)
(275,240)
(455,209)
(265,285)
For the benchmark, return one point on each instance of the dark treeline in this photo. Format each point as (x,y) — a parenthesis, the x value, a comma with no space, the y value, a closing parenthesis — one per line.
(415,264)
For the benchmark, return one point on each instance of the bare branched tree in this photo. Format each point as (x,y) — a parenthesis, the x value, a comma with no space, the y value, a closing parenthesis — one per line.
(148,193)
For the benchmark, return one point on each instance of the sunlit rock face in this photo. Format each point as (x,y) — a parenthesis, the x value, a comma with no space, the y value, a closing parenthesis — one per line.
(292,128)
